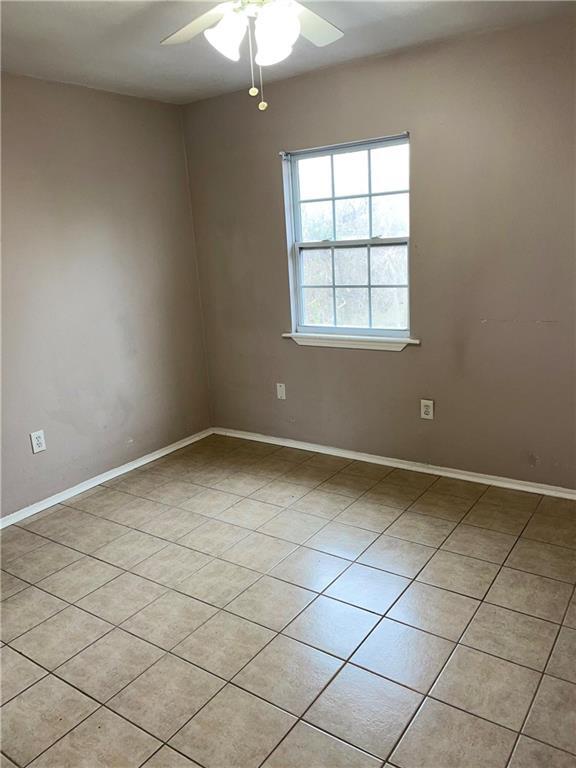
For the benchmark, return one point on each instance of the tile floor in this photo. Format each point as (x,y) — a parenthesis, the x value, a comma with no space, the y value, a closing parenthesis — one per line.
(237,605)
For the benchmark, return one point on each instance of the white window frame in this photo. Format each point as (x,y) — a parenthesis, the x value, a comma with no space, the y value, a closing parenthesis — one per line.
(338,336)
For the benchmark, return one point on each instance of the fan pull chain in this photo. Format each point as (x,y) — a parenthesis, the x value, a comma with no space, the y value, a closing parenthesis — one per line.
(253,90)
(263,104)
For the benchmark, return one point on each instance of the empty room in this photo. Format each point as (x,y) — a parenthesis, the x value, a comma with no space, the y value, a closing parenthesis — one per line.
(288,470)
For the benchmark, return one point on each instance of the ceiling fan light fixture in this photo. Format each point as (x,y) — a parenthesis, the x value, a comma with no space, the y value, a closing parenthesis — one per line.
(277,28)
(228,34)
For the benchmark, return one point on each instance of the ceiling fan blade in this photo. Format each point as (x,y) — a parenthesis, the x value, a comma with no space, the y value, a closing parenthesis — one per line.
(197,26)
(316,29)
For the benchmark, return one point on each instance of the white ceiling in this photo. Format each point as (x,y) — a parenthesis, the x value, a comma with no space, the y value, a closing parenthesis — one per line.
(114,45)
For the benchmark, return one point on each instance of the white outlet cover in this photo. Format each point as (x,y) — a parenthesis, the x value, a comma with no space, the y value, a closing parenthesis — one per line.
(38,441)
(281,391)
(427,409)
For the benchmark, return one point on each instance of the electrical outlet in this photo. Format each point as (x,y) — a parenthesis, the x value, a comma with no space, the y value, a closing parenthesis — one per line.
(426,409)
(38,441)
(281,391)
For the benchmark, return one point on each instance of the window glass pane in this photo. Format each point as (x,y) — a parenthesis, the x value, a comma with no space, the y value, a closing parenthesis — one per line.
(316,221)
(317,306)
(390,168)
(351,266)
(389,265)
(390,215)
(390,308)
(315,178)
(316,267)
(352,222)
(351,173)
(352,308)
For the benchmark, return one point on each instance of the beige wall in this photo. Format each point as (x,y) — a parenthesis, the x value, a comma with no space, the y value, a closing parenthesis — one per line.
(102,338)
(492,131)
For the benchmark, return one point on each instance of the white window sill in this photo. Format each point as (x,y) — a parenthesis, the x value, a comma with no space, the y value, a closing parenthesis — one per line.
(390,344)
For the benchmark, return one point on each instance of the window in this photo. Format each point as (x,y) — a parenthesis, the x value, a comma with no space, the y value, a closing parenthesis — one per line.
(348,208)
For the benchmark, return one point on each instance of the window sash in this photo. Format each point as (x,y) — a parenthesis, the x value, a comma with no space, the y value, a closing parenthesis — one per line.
(293,202)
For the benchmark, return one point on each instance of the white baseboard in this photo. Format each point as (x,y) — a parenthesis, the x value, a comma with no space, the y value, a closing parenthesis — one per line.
(58,498)
(459,474)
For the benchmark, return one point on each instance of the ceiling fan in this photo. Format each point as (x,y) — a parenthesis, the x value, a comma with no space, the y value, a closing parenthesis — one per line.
(274,26)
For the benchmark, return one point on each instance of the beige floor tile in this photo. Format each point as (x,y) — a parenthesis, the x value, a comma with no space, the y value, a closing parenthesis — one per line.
(6,762)
(369,515)
(136,512)
(218,582)
(294,455)
(104,739)
(397,556)
(404,654)
(443,736)
(78,530)
(486,686)
(412,479)
(466,575)
(434,610)
(552,718)
(326,461)
(79,579)
(99,501)
(348,485)
(479,542)
(527,593)
(533,754)
(293,526)
(18,673)
(322,504)
(243,484)
(39,716)
(249,513)
(552,530)
(271,602)
(41,562)
(498,518)
(214,537)
(542,559)
(171,565)
(15,542)
(271,467)
(462,488)
(57,639)
(332,626)
(368,588)
(224,644)
(10,585)
(310,477)
(119,599)
(168,758)
(556,507)
(173,523)
(169,619)
(342,540)
(109,664)
(367,469)
(310,569)
(364,709)
(281,493)
(211,502)
(165,696)
(288,674)
(421,529)
(25,610)
(130,549)
(563,660)
(174,492)
(511,635)
(393,495)
(512,499)
(441,505)
(307,747)
(570,617)
(235,729)
(259,552)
